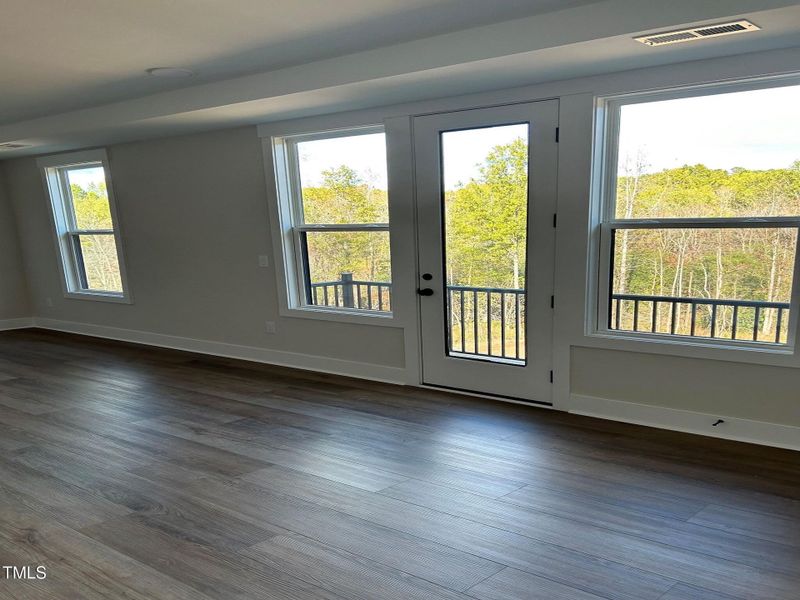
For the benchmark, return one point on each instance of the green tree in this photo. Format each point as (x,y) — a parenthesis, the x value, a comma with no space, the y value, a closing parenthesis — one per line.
(92,212)
(750,264)
(344,197)
(486,221)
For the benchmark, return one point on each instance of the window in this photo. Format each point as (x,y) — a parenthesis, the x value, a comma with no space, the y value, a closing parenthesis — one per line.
(701,209)
(334,212)
(85,221)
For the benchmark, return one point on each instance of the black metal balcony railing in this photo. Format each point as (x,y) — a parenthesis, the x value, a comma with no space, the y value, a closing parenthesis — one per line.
(486,322)
(491,322)
(750,320)
(352,293)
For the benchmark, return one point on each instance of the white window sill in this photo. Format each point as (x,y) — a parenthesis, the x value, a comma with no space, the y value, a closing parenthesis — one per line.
(342,315)
(100,297)
(712,349)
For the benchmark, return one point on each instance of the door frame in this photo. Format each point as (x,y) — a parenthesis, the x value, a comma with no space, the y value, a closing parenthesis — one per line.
(543,189)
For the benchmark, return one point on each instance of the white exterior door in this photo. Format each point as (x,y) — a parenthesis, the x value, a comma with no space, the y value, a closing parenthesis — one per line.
(486,197)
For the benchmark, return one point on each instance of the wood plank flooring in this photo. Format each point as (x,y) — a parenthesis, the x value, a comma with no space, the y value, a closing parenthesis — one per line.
(147,474)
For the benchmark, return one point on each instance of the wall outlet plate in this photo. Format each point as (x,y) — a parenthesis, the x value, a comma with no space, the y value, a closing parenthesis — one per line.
(271,327)
(263,260)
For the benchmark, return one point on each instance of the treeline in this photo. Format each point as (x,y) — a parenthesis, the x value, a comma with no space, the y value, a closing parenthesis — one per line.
(749,263)
(342,198)
(717,263)
(485,224)
(99,252)
(485,227)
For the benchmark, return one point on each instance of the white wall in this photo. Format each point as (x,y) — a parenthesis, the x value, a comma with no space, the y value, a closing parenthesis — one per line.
(194,218)
(14,304)
(757,392)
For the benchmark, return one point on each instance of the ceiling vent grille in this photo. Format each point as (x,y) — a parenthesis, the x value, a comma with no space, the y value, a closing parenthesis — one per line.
(696,33)
(12,146)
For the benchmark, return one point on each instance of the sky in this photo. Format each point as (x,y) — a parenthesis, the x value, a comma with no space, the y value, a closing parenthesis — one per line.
(757,129)
(463,150)
(366,154)
(85,177)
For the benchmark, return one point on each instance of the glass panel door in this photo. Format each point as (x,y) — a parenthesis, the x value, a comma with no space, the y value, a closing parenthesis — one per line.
(486,196)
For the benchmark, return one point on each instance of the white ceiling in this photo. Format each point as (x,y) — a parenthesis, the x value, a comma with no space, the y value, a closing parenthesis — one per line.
(60,55)
(72,70)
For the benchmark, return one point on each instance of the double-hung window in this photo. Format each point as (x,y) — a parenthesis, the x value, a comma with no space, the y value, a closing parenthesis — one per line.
(700,216)
(86,225)
(334,216)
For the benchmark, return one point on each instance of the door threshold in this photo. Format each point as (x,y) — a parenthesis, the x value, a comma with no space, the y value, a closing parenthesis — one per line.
(487,395)
(500,360)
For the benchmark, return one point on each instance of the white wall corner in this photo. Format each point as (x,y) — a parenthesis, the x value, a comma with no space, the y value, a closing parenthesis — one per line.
(732,428)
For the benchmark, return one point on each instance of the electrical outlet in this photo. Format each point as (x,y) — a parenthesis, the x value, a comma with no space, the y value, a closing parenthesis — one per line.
(271,327)
(263,260)
(49,302)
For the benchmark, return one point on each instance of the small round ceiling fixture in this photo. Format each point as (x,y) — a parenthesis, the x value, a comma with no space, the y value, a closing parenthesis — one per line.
(169,72)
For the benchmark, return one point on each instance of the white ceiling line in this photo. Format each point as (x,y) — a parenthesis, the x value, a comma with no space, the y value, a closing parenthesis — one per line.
(213,104)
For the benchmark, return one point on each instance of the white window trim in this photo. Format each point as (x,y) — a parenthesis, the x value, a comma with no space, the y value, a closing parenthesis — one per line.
(288,226)
(67,263)
(603,221)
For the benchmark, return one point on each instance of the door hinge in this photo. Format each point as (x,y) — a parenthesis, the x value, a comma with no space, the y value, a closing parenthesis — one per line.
(555,219)
(551,377)
(558,130)
(552,301)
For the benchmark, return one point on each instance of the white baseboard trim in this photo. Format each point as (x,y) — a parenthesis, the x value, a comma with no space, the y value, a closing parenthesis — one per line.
(20,323)
(321,364)
(741,430)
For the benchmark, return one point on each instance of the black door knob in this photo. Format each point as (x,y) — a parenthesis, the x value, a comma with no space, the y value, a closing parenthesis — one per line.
(425,292)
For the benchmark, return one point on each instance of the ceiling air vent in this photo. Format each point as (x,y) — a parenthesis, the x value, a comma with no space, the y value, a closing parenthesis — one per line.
(12,146)
(696,33)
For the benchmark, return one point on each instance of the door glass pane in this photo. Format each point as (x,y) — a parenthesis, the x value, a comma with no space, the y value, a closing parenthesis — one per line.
(87,186)
(100,262)
(349,269)
(485,197)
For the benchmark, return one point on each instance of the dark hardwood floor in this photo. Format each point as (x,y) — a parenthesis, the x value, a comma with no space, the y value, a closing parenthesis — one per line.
(139,473)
